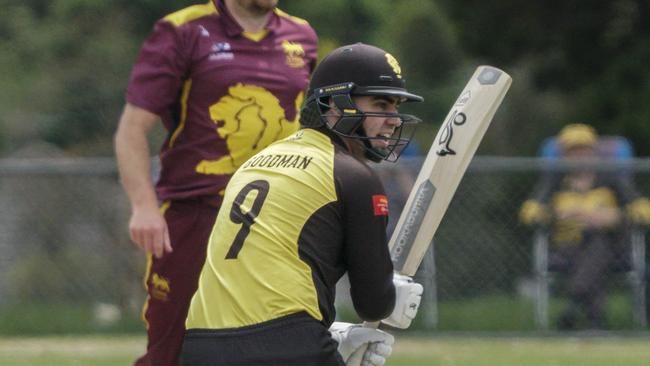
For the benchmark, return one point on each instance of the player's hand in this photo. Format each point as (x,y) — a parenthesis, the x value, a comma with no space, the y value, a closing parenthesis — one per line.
(533,213)
(148,230)
(408,295)
(638,211)
(351,337)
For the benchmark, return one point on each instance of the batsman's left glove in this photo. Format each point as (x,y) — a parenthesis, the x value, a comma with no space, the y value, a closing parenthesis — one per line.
(408,295)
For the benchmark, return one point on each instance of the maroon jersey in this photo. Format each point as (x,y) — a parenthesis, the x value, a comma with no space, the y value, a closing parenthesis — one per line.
(222,93)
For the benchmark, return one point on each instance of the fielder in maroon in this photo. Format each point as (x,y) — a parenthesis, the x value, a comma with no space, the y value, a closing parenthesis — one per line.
(226,78)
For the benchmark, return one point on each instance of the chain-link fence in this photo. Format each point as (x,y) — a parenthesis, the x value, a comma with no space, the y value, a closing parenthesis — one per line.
(483,273)
(66,262)
(67,265)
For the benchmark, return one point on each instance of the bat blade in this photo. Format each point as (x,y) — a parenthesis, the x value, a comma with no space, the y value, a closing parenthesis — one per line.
(451,152)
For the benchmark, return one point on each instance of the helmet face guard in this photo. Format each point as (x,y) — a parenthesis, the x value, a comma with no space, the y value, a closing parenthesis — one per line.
(358,70)
(350,120)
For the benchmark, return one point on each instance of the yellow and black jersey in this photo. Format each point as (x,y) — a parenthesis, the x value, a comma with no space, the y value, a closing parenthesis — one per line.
(610,190)
(571,231)
(295,218)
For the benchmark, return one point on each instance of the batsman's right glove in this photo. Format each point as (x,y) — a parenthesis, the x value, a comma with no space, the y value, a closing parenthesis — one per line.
(351,337)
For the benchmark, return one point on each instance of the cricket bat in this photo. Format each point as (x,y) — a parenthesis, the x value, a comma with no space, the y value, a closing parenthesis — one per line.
(451,152)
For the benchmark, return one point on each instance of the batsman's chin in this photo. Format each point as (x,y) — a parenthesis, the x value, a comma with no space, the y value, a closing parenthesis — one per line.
(380,143)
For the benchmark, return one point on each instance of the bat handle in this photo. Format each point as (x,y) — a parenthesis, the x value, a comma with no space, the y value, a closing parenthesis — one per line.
(357,356)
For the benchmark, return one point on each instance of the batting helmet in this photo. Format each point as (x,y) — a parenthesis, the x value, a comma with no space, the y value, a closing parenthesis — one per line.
(358,70)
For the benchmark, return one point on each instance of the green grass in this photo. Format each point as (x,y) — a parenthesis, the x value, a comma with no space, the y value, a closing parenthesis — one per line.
(503,313)
(521,352)
(506,313)
(71,351)
(489,313)
(33,319)
(423,351)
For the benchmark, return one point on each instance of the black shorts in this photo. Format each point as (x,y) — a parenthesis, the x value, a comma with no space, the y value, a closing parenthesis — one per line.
(294,340)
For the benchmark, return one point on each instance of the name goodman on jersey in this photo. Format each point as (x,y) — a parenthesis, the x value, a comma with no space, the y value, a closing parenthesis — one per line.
(279,161)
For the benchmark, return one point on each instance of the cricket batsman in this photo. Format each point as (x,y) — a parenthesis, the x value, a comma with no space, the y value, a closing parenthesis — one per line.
(299,215)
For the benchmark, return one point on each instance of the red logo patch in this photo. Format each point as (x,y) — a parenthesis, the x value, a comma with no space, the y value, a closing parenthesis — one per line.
(380,205)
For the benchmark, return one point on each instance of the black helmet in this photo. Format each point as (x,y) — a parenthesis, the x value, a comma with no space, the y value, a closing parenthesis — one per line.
(356,70)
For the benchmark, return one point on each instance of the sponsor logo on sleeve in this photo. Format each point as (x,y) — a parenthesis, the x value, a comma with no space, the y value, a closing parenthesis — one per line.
(380,205)
(295,54)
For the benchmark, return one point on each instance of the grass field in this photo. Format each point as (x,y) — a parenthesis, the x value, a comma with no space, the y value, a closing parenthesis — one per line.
(438,351)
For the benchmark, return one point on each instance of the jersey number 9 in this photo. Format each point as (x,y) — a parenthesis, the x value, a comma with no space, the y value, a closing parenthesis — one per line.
(246,218)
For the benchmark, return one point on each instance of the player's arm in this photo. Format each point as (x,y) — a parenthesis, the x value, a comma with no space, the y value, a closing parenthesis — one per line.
(535,211)
(154,85)
(147,227)
(636,207)
(377,292)
(366,254)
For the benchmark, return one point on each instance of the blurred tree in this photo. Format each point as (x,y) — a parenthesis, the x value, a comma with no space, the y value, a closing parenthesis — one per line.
(419,34)
(346,21)
(575,60)
(71,60)
(593,53)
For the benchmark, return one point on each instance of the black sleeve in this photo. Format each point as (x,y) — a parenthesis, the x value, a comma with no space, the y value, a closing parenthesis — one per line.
(366,254)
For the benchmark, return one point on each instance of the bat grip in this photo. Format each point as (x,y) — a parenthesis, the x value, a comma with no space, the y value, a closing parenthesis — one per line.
(357,356)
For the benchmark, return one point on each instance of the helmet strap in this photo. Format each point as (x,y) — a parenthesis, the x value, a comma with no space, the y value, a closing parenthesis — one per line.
(350,119)
(370,152)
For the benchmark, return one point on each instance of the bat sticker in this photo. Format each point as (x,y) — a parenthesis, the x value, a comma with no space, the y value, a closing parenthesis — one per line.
(464,98)
(458,119)
(411,226)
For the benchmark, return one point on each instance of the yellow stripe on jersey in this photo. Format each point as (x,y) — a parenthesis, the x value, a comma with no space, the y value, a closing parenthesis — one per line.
(185,94)
(191,13)
(163,208)
(291,17)
(253,273)
(255,36)
(147,271)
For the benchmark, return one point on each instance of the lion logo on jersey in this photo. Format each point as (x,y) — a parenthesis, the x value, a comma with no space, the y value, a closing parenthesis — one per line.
(249,119)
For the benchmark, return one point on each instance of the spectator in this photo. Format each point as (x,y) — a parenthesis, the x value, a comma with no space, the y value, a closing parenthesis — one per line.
(584,212)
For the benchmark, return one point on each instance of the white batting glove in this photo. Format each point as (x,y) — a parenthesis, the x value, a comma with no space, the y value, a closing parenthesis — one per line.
(352,337)
(407,301)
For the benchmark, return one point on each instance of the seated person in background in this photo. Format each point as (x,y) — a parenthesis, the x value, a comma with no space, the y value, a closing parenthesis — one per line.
(583,210)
